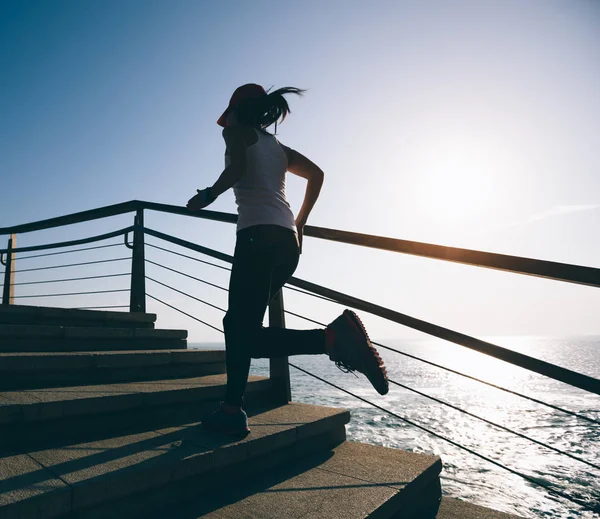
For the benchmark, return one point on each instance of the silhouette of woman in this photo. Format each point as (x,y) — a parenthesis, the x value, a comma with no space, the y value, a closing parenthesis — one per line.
(268,245)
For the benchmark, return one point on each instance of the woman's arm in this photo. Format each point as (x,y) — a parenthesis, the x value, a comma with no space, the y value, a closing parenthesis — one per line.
(299,165)
(235,140)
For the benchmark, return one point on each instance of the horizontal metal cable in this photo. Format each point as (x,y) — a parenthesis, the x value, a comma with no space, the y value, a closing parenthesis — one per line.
(74,264)
(516,393)
(456,408)
(527,362)
(72,279)
(20,258)
(189,245)
(520,435)
(186,275)
(75,293)
(189,257)
(551,490)
(97,307)
(188,295)
(311,294)
(184,313)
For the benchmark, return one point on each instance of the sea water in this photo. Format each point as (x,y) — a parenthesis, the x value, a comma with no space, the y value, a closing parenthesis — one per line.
(466,476)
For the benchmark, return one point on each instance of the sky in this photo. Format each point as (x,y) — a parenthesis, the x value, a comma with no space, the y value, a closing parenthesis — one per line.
(468,123)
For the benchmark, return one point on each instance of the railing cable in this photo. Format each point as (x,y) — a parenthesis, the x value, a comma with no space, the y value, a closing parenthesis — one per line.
(75,293)
(189,257)
(20,258)
(186,275)
(185,313)
(188,295)
(551,490)
(98,307)
(489,422)
(72,279)
(74,264)
(516,393)
(311,294)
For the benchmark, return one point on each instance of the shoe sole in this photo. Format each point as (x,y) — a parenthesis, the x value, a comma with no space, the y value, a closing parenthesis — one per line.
(229,432)
(376,373)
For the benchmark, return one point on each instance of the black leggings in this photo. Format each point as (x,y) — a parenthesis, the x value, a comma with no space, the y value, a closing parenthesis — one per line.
(265,257)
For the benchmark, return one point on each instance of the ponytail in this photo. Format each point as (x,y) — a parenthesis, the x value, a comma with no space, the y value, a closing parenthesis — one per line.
(262,112)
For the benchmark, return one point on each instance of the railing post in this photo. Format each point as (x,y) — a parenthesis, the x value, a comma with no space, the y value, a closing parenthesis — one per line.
(279,368)
(137,297)
(8,292)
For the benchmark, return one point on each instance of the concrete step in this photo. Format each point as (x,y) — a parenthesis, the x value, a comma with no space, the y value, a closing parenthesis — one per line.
(43,315)
(28,415)
(101,478)
(48,369)
(18,337)
(347,480)
(350,481)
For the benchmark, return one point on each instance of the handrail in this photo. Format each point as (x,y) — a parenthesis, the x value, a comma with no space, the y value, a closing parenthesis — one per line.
(115,210)
(557,271)
(512,357)
(532,267)
(69,219)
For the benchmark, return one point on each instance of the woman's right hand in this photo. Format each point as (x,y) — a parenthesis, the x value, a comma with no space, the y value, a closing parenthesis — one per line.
(199,201)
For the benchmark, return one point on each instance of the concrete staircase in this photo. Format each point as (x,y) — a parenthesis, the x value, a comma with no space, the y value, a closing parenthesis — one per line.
(99,418)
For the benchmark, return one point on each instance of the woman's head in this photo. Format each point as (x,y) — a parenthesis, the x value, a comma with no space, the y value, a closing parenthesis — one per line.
(253,106)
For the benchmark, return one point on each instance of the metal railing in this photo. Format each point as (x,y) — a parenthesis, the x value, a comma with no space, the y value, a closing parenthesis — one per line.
(279,368)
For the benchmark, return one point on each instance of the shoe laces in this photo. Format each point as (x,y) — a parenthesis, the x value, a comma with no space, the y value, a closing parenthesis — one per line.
(344,368)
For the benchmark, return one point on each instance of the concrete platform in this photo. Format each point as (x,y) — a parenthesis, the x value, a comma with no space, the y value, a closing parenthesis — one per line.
(42,315)
(82,476)
(22,370)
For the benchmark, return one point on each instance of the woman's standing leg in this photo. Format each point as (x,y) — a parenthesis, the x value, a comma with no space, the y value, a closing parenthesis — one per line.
(249,293)
(265,258)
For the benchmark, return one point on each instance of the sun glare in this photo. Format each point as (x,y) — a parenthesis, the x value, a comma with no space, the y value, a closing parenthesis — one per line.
(453,188)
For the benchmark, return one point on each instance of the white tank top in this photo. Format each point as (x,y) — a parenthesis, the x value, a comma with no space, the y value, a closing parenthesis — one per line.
(260,193)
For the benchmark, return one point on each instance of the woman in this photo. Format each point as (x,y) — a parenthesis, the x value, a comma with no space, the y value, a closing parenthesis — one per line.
(268,244)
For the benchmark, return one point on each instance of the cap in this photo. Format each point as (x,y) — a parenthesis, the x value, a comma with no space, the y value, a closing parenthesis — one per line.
(247,91)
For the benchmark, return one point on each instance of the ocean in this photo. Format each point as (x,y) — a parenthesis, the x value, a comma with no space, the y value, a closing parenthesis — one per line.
(464,475)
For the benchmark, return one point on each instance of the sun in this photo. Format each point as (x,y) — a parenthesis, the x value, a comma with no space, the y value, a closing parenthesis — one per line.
(453,188)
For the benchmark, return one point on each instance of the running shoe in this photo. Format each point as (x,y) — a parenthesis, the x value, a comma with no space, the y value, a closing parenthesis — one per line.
(227,422)
(352,351)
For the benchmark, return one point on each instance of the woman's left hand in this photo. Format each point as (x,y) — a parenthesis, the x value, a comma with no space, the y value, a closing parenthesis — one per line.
(200,200)
(300,223)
